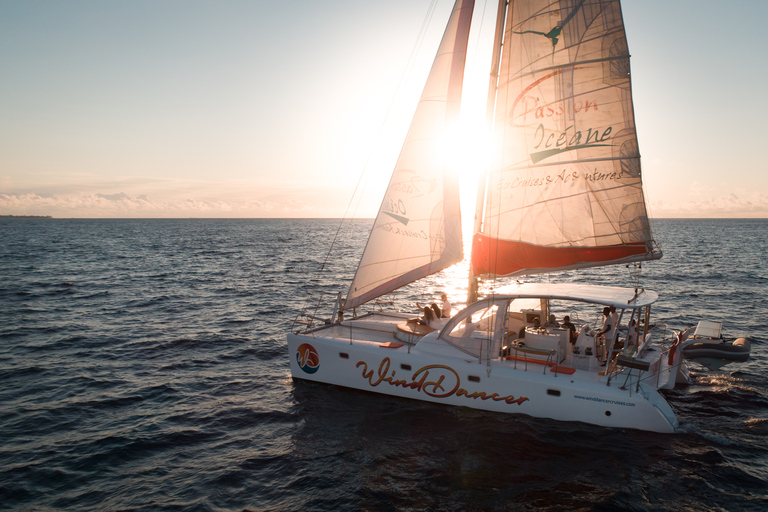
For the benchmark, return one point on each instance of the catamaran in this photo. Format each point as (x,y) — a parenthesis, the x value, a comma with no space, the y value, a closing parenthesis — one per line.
(563,192)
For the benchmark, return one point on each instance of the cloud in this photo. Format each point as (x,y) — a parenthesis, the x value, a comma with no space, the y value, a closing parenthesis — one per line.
(86,196)
(116,197)
(227,202)
(124,205)
(753,205)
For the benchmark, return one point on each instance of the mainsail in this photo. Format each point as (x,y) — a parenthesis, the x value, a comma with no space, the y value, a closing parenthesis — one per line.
(564,190)
(417,231)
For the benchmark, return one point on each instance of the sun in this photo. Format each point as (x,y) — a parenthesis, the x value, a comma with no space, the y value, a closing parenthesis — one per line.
(465,148)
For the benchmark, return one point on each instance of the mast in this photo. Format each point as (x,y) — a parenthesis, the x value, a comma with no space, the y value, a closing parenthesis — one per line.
(498,42)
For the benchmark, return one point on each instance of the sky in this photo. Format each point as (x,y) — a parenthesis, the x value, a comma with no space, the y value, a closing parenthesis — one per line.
(191,108)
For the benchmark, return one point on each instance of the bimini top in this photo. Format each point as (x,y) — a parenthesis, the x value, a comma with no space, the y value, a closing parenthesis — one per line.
(606,295)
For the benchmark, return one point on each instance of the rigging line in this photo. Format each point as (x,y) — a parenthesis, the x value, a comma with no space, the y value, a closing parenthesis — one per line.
(477,39)
(411,59)
(406,72)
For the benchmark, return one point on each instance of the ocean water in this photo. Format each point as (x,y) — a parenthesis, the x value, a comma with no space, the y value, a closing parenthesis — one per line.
(143,366)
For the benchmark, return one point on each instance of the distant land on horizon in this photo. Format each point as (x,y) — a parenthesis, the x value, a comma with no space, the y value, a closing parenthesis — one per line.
(25,217)
(306,218)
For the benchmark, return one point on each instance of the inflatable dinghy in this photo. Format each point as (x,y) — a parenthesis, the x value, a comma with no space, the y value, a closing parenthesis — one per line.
(708,347)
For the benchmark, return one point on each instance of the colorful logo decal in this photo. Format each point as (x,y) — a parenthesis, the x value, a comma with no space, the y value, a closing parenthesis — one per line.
(307,357)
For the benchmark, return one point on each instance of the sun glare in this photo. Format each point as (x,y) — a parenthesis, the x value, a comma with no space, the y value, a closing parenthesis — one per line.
(465,148)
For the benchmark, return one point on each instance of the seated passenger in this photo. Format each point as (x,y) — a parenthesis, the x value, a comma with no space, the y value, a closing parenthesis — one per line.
(428,317)
(571,328)
(431,313)
(552,322)
(446,306)
(434,307)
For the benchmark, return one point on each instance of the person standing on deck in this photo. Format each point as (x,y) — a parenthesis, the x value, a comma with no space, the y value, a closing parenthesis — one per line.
(608,325)
(632,334)
(614,318)
(607,332)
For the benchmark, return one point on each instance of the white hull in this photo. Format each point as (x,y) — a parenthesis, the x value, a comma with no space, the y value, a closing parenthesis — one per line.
(435,372)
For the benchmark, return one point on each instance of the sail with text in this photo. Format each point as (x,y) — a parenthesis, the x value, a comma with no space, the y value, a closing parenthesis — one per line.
(417,231)
(564,189)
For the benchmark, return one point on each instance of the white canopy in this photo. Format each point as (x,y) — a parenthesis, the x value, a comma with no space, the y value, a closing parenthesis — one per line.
(607,295)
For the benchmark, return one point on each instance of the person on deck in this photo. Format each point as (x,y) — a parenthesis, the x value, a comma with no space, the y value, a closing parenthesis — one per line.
(434,307)
(632,334)
(607,331)
(614,318)
(430,313)
(552,322)
(572,328)
(446,306)
(429,316)
(608,325)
